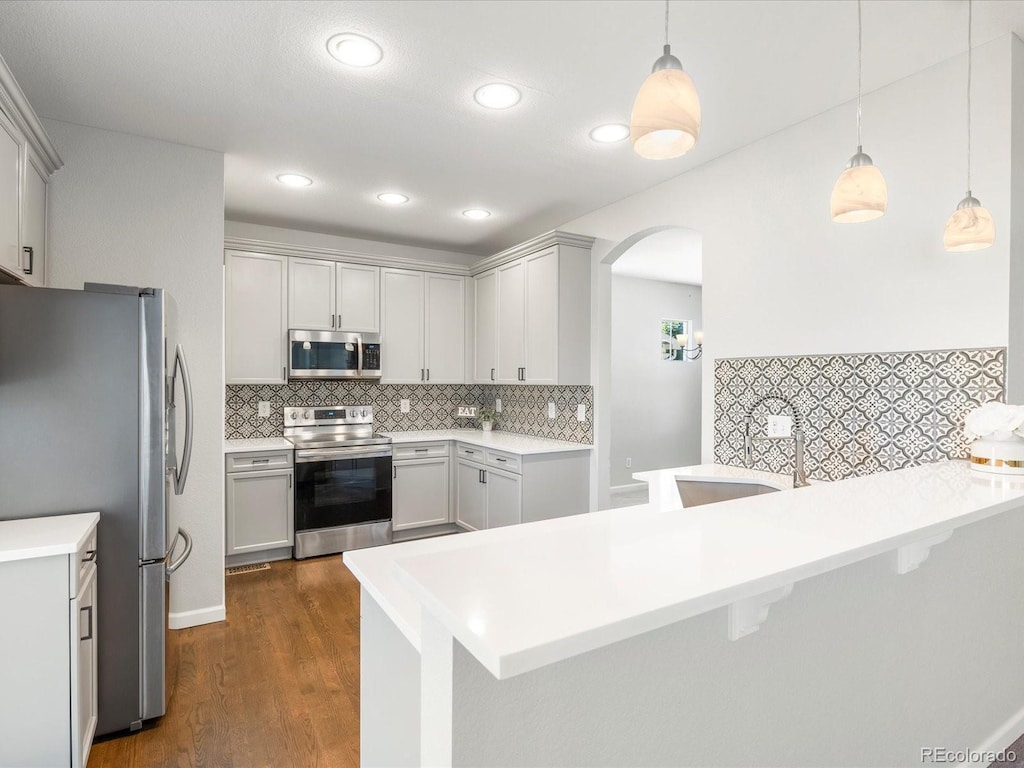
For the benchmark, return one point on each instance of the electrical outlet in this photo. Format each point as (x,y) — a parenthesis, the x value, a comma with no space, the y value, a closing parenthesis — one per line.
(497,405)
(551,410)
(405,405)
(629,462)
(264,409)
(581,412)
(780,426)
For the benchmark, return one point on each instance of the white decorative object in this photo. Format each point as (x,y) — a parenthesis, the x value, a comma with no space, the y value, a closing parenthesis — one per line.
(997,430)
(487,425)
(746,616)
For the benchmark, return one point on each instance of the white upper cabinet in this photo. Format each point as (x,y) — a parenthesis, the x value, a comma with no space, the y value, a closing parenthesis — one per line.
(11,146)
(511,325)
(332,296)
(537,310)
(486,324)
(358,298)
(402,327)
(423,327)
(311,295)
(255,318)
(445,329)
(33,222)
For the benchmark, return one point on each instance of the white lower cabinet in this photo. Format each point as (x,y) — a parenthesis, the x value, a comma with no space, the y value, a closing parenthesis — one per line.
(470,496)
(259,502)
(48,673)
(487,497)
(419,493)
(504,498)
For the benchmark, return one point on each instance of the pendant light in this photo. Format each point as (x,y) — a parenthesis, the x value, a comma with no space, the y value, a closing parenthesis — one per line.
(970,228)
(666,114)
(860,193)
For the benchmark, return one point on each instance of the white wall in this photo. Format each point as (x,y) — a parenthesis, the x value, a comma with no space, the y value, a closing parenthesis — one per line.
(1015,352)
(135,211)
(781,278)
(655,417)
(334,242)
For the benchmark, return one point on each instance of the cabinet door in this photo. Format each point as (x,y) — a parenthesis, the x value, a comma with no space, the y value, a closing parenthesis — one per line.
(358,296)
(470,496)
(419,493)
(542,317)
(311,295)
(511,322)
(33,223)
(259,511)
(84,708)
(10,185)
(255,314)
(486,323)
(402,327)
(504,498)
(445,329)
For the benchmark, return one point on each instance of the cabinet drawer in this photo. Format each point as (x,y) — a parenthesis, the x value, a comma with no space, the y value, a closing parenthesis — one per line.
(471,452)
(247,462)
(420,451)
(85,559)
(506,461)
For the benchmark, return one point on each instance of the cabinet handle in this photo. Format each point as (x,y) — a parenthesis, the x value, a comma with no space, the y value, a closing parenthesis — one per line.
(332,320)
(284,373)
(90,556)
(479,475)
(88,635)
(492,374)
(261,461)
(421,450)
(290,480)
(31,259)
(428,374)
(394,472)
(483,476)
(421,373)
(501,460)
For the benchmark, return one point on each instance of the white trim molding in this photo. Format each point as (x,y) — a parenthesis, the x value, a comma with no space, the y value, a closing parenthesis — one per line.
(15,105)
(186,619)
(548,239)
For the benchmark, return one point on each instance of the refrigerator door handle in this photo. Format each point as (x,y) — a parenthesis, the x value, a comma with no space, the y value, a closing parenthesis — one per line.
(174,565)
(181,473)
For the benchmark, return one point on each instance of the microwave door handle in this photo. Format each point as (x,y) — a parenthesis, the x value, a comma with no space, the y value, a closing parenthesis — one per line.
(181,472)
(359,362)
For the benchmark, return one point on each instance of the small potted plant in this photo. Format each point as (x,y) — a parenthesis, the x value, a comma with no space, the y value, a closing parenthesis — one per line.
(486,415)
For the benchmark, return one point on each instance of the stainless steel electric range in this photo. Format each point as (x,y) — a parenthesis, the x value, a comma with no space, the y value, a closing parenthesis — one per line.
(342,479)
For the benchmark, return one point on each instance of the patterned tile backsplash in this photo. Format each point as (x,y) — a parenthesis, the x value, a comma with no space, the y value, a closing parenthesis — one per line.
(432,406)
(863,413)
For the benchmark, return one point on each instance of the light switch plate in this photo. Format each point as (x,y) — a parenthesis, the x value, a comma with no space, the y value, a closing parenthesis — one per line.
(780,426)
(581,412)
(404,405)
(264,409)
(497,405)
(551,410)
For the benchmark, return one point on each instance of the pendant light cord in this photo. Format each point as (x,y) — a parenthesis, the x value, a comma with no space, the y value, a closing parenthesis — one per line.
(860,47)
(666,22)
(970,22)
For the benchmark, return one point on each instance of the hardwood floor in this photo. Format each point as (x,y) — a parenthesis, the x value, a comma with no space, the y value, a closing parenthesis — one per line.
(277,684)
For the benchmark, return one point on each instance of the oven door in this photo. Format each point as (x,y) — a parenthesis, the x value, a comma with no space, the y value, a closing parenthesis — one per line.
(324,355)
(342,486)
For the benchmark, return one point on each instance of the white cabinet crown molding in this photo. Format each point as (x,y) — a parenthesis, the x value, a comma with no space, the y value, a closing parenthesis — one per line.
(533,245)
(16,106)
(349,257)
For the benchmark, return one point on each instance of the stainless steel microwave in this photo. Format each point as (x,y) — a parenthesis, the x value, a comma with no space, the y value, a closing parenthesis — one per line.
(333,355)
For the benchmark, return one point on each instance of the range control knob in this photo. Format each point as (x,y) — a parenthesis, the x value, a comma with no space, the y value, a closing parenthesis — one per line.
(364,413)
(292,416)
(307,415)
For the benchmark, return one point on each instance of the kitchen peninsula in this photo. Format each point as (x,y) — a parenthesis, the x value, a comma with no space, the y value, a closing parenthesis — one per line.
(753,631)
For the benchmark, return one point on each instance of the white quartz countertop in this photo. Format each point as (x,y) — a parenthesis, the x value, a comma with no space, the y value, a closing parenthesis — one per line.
(718,473)
(45,536)
(522,597)
(257,444)
(500,441)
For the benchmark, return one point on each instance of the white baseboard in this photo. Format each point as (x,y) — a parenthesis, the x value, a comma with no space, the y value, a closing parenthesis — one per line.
(1003,737)
(186,619)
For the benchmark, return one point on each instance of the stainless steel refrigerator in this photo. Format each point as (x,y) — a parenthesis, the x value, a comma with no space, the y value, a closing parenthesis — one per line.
(92,385)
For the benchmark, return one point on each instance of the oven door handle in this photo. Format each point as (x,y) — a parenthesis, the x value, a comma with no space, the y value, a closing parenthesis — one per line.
(308,456)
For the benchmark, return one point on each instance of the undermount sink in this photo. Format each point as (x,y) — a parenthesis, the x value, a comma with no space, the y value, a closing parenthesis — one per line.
(693,493)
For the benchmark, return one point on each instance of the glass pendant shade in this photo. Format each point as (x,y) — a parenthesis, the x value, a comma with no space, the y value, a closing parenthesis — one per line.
(970,228)
(860,193)
(665,121)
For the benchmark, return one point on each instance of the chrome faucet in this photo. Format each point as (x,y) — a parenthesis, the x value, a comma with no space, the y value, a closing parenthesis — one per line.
(798,438)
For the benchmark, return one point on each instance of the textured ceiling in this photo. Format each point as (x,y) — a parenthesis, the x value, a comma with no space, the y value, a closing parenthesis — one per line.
(253,79)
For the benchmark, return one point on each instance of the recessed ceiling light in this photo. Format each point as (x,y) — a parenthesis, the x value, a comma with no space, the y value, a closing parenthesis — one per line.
(476,213)
(393,198)
(497,96)
(354,50)
(295,180)
(607,134)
